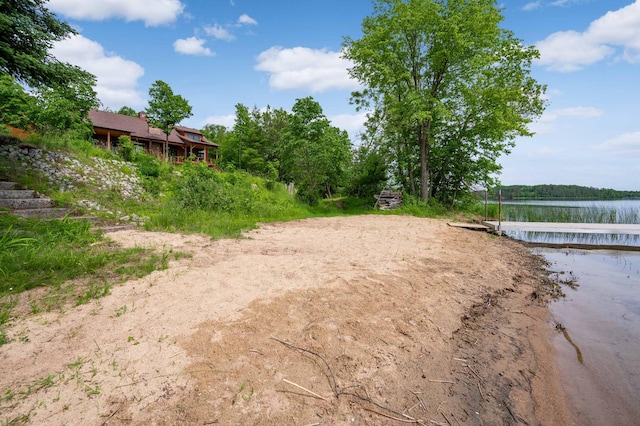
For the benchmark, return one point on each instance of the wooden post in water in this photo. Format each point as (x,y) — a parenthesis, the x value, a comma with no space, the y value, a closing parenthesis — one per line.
(499,212)
(486,198)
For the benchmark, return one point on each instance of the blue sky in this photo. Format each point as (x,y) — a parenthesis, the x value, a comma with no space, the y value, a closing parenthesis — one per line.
(217,53)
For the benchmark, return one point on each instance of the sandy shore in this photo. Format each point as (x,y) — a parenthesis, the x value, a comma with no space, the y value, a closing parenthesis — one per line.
(349,320)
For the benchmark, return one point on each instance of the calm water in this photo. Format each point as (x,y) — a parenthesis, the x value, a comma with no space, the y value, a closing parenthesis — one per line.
(601,317)
(617,211)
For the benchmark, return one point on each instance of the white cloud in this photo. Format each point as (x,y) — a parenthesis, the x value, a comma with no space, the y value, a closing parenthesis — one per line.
(531,6)
(544,153)
(316,70)
(224,120)
(623,144)
(565,2)
(192,46)
(352,123)
(246,20)
(578,112)
(546,123)
(151,12)
(218,32)
(117,77)
(568,51)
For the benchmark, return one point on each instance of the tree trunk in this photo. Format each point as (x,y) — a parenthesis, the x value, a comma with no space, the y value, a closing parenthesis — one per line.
(423,137)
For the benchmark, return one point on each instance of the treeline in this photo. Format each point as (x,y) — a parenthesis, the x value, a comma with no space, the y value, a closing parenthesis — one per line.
(562,192)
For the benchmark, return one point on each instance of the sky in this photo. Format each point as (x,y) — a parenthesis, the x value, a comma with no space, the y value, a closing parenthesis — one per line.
(218,53)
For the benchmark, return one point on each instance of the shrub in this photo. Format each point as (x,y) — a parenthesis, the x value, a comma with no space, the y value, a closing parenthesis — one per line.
(126,149)
(147,165)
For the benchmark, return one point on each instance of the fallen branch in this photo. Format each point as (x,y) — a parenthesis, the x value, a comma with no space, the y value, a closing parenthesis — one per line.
(480,390)
(474,372)
(441,381)
(332,382)
(305,389)
(414,421)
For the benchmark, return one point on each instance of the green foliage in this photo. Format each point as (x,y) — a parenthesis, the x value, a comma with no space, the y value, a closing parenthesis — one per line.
(450,91)
(28,33)
(368,175)
(126,149)
(166,110)
(30,248)
(60,109)
(15,105)
(65,108)
(561,192)
(202,188)
(314,154)
(126,110)
(68,142)
(147,165)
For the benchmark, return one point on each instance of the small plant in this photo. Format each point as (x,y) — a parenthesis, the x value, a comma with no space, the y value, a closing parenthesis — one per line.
(121,311)
(92,391)
(242,394)
(7,395)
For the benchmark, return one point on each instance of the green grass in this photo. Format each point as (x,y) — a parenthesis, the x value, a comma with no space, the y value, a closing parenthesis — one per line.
(570,214)
(52,254)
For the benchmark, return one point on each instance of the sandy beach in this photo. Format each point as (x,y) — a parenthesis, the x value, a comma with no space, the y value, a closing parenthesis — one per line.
(331,321)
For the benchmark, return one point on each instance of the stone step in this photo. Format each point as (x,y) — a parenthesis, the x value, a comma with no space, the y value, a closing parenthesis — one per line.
(25,203)
(8,185)
(116,228)
(17,193)
(43,213)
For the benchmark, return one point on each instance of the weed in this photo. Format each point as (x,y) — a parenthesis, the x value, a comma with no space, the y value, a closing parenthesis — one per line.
(7,396)
(92,391)
(242,394)
(94,291)
(121,311)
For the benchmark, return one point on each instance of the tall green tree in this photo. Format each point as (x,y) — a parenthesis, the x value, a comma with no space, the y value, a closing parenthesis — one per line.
(15,104)
(127,110)
(65,108)
(166,110)
(448,82)
(314,154)
(28,33)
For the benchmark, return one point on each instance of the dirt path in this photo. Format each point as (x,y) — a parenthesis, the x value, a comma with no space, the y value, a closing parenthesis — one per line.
(350,320)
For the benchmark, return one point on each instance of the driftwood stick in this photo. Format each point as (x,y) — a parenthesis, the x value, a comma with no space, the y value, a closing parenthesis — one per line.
(445,417)
(305,389)
(480,390)
(474,372)
(330,376)
(424,406)
(391,417)
(111,415)
(441,381)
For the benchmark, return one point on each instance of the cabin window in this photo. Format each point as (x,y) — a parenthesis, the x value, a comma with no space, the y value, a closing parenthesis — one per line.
(193,137)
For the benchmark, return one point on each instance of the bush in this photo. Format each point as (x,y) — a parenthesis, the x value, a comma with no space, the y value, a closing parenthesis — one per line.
(147,165)
(308,197)
(126,148)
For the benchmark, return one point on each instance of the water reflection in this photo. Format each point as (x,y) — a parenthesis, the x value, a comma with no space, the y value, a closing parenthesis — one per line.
(603,318)
(625,240)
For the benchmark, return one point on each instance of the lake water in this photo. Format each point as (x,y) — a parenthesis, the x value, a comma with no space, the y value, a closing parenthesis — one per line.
(599,352)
